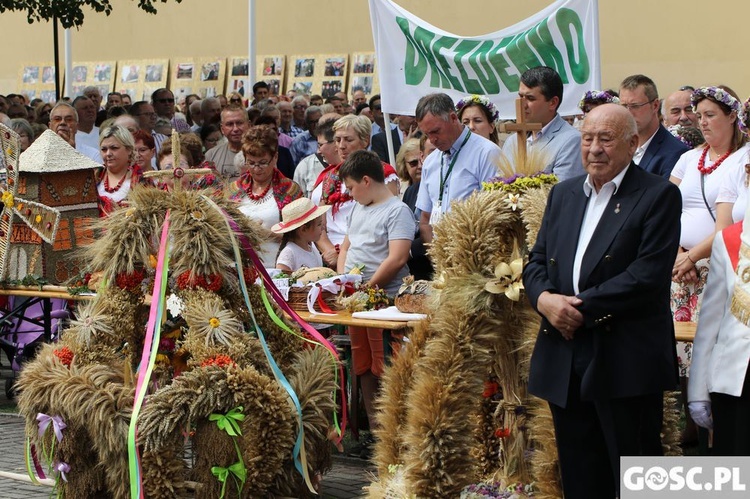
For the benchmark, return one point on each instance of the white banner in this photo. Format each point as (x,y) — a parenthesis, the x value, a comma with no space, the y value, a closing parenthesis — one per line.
(416,58)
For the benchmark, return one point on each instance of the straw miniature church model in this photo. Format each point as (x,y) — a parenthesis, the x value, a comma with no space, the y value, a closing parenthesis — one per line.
(111,408)
(57,176)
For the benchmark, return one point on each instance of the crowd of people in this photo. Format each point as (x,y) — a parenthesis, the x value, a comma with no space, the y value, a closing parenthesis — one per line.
(668,174)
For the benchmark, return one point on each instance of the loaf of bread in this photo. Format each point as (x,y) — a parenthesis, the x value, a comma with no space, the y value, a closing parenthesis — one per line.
(412,296)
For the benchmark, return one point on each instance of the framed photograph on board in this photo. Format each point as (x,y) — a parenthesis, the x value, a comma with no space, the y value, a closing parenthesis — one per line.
(99,74)
(330,75)
(38,80)
(139,78)
(271,69)
(362,74)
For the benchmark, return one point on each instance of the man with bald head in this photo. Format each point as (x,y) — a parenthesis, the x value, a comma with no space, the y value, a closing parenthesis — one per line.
(678,110)
(599,275)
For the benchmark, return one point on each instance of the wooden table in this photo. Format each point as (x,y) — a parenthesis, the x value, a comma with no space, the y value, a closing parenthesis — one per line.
(344,318)
(47,291)
(685,331)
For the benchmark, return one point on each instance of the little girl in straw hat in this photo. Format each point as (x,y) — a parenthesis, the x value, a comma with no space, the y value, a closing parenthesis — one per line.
(301,225)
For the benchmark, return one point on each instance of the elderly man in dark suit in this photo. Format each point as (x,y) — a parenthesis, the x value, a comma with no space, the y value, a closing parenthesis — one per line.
(599,275)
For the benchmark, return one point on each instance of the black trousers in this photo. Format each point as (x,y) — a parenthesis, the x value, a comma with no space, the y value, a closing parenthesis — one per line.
(591,437)
(732,422)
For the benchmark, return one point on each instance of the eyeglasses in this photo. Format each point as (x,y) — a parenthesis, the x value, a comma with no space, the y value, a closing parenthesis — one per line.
(377,108)
(235,100)
(413,163)
(631,107)
(300,106)
(164,101)
(66,119)
(257,164)
(321,144)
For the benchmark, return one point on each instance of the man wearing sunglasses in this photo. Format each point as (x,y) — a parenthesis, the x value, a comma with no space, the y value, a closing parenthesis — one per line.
(163,102)
(658,150)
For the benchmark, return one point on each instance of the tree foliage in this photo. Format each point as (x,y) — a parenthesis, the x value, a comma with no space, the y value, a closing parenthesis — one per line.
(68,12)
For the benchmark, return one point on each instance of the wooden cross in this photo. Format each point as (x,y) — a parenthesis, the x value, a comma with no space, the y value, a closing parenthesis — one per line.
(177,172)
(521,128)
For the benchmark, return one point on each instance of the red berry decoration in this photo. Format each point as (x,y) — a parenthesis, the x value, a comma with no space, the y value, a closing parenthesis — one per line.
(218,361)
(211,282)
(130,282)
(65,355)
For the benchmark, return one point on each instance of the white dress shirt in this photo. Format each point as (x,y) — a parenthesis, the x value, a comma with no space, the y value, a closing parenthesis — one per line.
(598,201)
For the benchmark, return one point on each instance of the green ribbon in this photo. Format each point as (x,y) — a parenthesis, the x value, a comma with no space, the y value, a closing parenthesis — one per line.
(237,470)
(229,422)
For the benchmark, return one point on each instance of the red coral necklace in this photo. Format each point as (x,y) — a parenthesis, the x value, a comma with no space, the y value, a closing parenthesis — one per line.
(262,195)
(708,170)
(116,188)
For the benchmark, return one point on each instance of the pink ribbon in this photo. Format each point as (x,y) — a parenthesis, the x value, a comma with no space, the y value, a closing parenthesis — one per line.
(58,425)
(63,468)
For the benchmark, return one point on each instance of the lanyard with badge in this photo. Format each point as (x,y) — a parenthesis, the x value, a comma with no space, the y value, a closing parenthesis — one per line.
(437,212)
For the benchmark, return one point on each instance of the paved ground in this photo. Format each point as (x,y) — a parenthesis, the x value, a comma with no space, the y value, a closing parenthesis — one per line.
(345,481)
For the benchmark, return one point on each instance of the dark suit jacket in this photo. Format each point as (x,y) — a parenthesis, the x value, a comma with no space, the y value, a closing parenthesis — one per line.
(626,346)
(662,153)
(380,146)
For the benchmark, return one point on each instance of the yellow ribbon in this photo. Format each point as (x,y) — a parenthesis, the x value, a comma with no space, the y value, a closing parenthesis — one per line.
(507,279)
(229,422)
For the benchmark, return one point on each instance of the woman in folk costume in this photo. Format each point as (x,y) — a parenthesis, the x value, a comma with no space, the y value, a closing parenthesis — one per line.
(700,173)
(719,388)
(262,190)
(120,173)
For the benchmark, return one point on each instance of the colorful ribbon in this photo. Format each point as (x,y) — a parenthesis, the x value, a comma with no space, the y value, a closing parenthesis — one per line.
(63,468)
(284,306)
(300,459)
(237,470)
(30,456)
(148,358)
(279,322)
(229,422)
(58,425)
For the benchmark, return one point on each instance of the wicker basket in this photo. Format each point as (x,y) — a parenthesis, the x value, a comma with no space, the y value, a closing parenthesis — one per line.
(298,299)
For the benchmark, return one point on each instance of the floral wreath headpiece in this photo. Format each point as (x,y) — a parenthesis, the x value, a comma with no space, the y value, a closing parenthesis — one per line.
(481,100)
(597,97)
(720,95)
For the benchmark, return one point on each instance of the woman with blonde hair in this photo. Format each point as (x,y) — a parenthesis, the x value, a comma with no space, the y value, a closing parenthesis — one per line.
(120,171)
(351,133)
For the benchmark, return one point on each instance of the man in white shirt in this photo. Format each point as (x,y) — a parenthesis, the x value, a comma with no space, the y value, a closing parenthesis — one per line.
(63,120)
(658,150)
(599,274)
(87,133)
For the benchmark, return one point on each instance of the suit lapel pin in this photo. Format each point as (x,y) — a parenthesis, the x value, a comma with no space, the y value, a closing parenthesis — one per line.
(617,209)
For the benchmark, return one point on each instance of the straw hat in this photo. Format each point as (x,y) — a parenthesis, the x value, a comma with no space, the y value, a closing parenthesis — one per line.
(298,213)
